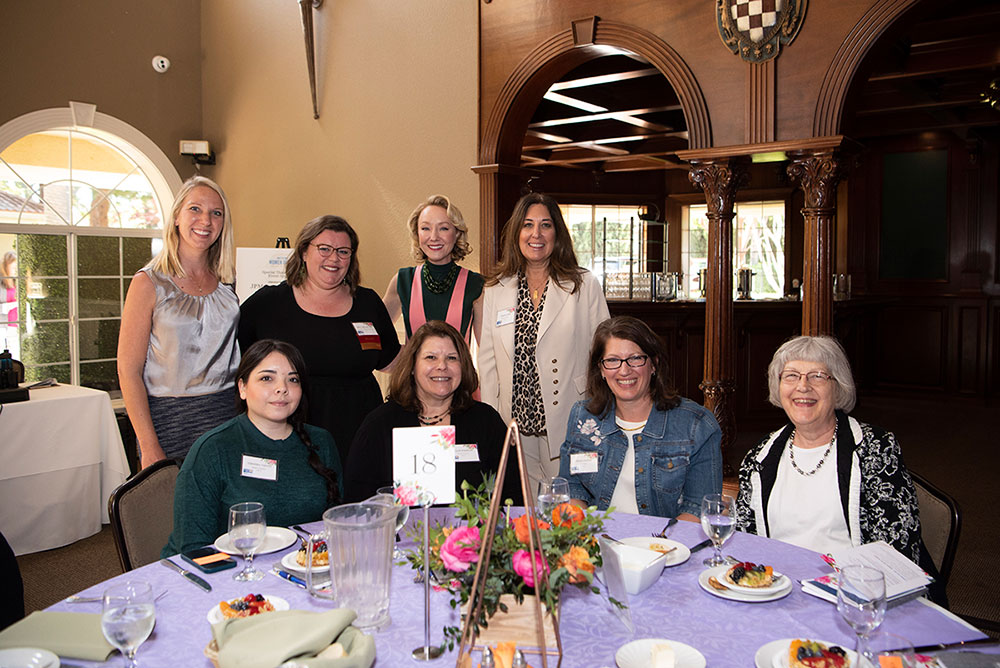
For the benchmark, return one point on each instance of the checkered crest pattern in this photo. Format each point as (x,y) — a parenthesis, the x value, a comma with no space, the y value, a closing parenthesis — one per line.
(753,17)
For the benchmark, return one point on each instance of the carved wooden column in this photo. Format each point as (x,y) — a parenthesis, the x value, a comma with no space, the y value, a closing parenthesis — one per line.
(817,173)
(720,179)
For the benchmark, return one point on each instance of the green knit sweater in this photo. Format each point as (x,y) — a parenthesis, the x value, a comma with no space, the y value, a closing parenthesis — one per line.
(210,482)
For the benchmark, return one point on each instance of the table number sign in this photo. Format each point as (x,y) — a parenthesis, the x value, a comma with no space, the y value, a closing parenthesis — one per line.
(423,459)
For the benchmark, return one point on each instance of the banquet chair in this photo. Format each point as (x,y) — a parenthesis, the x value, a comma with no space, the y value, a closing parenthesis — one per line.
(142,514)
(940,523)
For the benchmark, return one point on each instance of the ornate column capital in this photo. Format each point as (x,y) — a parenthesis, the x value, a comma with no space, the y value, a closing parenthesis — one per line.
(720,179)
(818,174)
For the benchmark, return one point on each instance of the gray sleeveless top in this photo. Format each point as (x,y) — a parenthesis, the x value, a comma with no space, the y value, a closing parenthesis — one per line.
(192,341)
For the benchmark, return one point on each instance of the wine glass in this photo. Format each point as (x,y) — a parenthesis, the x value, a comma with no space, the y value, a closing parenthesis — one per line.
(896,650)
(718,520)
(401,516)
(247,529)
(127,617)
(551,493)
(861,602)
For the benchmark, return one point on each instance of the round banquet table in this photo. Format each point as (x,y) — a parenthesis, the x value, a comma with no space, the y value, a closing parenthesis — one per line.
(727,632)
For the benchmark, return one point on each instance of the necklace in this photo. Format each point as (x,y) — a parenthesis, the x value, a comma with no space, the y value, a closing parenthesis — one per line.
(534,290)
(632,428)
(428,420)
(822,460)
(439,286)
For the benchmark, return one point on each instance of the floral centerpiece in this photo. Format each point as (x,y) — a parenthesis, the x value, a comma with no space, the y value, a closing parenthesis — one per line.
(568,555)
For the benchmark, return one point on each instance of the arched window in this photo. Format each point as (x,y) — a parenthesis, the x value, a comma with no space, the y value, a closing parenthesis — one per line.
(83,197)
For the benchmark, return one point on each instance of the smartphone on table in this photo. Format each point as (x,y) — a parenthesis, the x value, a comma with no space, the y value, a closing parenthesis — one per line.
(208,559)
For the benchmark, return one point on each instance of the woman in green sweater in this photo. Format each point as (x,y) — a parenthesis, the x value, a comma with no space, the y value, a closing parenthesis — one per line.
(266,454)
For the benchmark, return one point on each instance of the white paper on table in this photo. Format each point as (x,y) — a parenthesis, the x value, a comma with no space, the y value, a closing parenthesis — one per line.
(423,458)
(614,579)
(901,574)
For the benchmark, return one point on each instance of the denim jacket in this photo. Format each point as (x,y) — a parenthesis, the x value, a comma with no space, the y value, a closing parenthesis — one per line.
(678,458)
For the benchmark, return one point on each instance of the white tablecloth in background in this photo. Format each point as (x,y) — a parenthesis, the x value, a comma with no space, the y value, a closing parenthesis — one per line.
(61,456)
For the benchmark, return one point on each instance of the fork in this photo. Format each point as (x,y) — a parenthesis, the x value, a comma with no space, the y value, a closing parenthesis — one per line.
(97,599)
(663,533)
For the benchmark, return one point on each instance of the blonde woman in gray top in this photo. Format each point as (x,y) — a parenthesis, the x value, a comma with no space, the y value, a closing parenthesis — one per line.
(177,352)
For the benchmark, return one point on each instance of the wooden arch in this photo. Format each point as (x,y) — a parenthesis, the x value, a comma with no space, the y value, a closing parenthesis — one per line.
(500,175)
(840,74)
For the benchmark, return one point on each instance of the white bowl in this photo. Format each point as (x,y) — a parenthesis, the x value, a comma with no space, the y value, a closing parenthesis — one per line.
(640,567)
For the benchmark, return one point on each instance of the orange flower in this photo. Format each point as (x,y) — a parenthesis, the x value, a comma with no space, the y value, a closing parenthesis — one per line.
(577,562)
(566,515)
(521,528)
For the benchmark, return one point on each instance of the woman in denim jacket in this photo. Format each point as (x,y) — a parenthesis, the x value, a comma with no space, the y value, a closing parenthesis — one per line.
(635,444)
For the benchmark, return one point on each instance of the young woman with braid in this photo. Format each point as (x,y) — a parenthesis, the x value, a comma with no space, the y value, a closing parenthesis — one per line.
(266,454)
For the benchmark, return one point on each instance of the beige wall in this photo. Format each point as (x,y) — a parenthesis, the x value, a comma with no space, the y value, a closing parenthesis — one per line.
(398,99)
(101,52)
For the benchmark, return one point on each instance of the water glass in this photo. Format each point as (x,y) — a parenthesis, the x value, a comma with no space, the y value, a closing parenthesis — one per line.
(892,651)
(718,521)
(247,528)
(551,493)
(861,602)
(127,617)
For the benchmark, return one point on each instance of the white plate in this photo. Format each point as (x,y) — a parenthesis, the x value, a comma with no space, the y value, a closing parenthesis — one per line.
(780,582)
(215,613)
(675,558)
(291,564)
(28,657)
(276,538)
(775,653)
(734,595)
(636,654)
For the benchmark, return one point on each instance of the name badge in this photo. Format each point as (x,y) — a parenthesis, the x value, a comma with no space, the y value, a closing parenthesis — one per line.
(583,462)
(466,452)
(260,468)
(367,336)
(506,316)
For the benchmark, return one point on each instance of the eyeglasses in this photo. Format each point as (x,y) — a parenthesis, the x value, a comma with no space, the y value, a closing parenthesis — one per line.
(325,251)
(812,378)
(612,363)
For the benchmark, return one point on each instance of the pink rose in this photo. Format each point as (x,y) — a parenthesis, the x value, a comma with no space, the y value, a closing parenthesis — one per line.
(461,549)
(522,566)
(407,496)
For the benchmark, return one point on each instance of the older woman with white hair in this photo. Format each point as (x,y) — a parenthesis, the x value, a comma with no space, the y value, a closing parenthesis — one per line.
(826,480)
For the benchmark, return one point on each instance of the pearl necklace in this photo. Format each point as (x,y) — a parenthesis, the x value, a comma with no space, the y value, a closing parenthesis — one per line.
(428,420)
(822,460)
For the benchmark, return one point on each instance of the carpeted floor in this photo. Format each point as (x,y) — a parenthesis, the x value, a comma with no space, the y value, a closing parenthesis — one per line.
(947,440)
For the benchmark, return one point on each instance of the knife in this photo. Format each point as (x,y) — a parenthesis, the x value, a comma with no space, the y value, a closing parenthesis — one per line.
(703,544)
(188,574)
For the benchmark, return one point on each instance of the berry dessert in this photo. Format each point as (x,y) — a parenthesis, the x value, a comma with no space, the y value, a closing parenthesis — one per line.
(251,604)
(749,574)
(320,556)
(812,654)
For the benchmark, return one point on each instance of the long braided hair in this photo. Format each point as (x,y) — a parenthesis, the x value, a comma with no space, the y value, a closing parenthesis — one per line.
(252,358)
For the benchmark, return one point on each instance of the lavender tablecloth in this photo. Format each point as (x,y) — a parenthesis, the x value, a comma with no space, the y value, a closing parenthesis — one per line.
(728,633)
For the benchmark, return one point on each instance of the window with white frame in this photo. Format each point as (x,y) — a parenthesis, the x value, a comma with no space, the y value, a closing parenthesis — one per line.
(81,210)
(758,245)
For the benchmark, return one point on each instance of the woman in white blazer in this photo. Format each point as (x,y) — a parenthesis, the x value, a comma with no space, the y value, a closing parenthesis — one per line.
(540,310)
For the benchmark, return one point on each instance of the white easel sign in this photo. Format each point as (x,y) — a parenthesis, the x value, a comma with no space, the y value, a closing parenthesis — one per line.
(257,267)
(423,459)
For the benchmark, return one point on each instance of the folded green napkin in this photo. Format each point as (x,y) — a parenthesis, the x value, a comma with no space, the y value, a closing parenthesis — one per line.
(74,634)
(265,641)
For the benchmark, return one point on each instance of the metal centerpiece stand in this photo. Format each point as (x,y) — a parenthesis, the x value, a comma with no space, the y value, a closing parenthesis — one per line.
(469,632)
(427,652)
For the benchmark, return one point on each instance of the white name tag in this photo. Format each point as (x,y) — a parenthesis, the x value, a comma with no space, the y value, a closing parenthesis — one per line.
(260,468)
(506,316)
(583,462)
(466,452)
(365,329)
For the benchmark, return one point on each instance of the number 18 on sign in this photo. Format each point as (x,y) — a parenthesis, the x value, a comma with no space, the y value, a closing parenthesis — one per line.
(423,458)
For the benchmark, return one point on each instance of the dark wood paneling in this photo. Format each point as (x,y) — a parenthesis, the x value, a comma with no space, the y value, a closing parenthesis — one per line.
(911,346)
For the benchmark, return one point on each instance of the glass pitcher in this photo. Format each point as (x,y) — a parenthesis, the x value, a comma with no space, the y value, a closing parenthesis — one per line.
(359,539)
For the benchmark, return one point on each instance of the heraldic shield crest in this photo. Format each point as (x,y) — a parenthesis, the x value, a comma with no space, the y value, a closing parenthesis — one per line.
(755,29)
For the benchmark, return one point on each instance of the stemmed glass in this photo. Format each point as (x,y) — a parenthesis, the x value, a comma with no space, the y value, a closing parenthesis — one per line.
(718,520)
(404,513)
(861,602)
(551,493)
(127,617)
(247,528)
